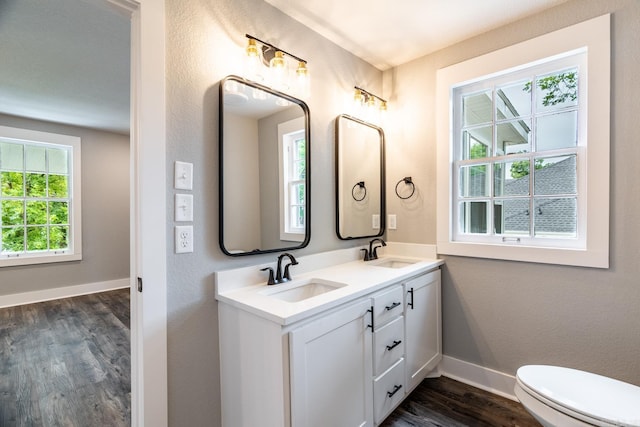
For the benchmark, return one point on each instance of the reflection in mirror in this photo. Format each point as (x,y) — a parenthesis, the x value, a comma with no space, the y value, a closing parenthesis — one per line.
(264,179)
(359,179)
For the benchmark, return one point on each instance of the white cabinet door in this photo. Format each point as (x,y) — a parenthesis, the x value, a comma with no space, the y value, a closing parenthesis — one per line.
(331,370)
(423,342)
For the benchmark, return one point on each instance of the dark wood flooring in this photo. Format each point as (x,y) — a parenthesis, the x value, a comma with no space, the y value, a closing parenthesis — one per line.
(443,402)
(66,362)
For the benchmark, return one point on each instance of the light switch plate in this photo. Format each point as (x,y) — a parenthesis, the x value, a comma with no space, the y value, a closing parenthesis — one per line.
(375,221)
(184,207)
(392,222)
(183,176)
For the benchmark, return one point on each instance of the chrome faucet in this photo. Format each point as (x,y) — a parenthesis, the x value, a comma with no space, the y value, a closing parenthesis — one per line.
(280,277)
(373,250)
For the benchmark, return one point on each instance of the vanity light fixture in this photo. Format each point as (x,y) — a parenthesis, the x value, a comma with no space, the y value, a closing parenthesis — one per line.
(267,64)
(368,104)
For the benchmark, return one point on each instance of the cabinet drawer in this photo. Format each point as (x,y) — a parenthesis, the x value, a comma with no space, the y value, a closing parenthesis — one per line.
(387,305)
(388,345)
(388,391)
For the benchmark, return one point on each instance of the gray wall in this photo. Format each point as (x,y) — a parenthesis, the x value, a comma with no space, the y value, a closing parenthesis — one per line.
(105,214)
(501,314)
(496,314)
(205,42)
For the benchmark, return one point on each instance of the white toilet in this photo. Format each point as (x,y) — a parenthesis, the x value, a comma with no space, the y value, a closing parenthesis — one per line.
(564,397)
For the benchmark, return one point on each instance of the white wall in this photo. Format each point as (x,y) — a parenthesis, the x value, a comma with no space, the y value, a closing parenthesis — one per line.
(105,215)
(501,314)
(205,42)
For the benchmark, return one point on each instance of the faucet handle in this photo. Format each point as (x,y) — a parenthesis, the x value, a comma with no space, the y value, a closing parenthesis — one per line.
(270,281)
(366,254)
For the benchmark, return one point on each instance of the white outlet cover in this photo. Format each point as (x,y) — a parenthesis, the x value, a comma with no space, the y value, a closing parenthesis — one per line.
(183,207)
(184,239)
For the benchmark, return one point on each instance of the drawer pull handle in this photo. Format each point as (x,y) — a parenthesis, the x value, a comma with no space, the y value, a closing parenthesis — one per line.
(394,345)
(395,390)
(392,306)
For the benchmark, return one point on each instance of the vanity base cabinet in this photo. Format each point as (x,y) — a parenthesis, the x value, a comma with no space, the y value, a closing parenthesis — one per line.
(331,370)
(423,339)
(348,366)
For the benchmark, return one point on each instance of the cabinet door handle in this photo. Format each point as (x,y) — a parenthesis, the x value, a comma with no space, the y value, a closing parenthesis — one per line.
(371,325)
(410,304)
(395,390)
(394,345)
(392,306)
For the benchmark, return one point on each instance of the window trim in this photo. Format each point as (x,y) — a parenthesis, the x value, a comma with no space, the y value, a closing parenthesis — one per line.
(74,253)
(592,35)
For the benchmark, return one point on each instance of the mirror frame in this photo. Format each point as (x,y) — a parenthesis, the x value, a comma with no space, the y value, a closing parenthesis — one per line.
(307,122)
(382,177)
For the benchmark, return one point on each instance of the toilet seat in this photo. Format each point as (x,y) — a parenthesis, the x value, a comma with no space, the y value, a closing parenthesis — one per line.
(591,398)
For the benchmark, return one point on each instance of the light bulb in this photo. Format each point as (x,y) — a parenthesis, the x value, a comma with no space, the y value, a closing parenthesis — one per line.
(278,67)
(302,80)
(254,69)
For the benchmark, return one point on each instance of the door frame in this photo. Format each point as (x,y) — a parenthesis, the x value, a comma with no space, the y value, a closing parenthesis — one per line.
(148,241)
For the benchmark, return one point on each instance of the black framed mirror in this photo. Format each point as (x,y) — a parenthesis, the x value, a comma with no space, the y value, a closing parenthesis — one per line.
(360,177)
(264,169)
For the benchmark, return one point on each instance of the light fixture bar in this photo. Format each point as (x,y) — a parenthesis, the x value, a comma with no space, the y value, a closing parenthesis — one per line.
(369,94)
(297,58)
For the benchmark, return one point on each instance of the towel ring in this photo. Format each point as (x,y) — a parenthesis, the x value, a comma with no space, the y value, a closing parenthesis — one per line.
(407,180)
(362,187)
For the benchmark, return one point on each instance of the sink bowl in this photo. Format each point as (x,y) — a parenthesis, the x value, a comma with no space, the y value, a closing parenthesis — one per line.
(394,263)
(300,291)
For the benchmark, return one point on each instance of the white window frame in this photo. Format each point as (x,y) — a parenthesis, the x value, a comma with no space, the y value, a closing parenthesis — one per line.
(74,252)
(288,132)
(592,249)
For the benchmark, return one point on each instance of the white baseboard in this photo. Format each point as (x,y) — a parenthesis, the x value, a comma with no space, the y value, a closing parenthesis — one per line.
(64,292)
(478,376)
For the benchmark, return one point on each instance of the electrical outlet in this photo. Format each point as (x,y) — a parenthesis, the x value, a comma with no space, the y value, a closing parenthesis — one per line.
(184,238)
(184,207)
(392,222)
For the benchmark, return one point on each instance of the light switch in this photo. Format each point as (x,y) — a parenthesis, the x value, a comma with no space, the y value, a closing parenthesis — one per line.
(184,207)
(375,221)
(392,222)
(183,176)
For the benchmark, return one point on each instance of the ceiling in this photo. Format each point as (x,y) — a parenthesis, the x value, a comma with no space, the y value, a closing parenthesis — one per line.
(387,33)
(67,61)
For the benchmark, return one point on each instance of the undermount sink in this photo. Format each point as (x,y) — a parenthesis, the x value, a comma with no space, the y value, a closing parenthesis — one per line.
(394,263)
(300,291)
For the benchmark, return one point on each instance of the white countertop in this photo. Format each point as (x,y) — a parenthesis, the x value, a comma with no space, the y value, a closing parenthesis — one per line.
(358,277)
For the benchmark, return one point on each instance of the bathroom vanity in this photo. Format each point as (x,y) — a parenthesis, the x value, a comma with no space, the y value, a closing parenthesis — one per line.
(341,344)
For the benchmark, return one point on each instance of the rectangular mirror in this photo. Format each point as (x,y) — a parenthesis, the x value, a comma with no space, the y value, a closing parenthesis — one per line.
(360,206)
(264,169)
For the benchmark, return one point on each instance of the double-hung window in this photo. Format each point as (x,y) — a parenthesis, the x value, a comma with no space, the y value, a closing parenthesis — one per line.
(292,149)
(39,197)
(523,160)
(517,149)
